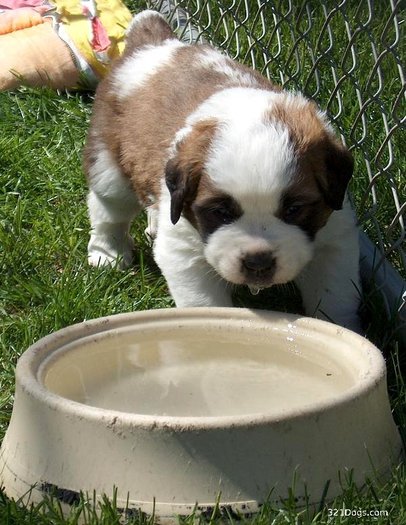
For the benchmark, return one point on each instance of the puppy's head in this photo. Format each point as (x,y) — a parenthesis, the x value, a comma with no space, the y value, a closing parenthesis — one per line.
(259,188)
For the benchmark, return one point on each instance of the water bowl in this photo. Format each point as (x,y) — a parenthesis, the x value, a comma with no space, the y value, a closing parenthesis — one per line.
(176,410)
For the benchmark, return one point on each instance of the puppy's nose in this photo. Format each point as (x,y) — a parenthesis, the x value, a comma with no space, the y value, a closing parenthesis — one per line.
(259,263)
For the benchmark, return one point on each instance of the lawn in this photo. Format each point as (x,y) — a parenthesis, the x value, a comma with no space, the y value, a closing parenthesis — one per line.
(46,285)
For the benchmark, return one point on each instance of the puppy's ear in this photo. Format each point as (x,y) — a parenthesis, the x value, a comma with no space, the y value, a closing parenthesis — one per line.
(184,170)
(339,165)
(180,186)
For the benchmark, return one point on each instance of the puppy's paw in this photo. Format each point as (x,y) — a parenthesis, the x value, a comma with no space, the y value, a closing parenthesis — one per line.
(152,228)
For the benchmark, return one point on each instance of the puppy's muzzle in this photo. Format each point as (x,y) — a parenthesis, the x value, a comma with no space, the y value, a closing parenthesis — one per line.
(258,268)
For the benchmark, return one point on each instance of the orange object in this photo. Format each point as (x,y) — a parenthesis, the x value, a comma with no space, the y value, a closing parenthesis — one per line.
(13,20)
(36,56)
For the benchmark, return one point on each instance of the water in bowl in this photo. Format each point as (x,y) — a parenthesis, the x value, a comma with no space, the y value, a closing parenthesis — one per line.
(190,375)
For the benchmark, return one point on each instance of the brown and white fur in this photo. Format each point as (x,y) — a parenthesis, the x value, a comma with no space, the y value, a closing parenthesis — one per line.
(244,183)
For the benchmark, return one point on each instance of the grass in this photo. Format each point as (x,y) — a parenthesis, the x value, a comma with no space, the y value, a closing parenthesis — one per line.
(386,502)
(46,285)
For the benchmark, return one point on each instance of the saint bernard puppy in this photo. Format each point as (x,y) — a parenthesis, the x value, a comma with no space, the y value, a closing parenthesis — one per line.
(244,184)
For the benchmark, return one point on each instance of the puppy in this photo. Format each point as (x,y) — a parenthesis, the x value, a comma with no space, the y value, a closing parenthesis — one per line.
(244,184)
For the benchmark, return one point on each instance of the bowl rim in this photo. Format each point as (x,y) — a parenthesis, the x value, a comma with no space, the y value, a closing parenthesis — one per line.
(29,365)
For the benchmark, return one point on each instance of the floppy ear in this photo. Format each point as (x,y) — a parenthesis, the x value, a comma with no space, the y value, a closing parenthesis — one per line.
(182,186)
(184,170)
(339,168)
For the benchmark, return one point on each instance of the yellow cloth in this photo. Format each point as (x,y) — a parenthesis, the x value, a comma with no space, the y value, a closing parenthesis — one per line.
(114,16)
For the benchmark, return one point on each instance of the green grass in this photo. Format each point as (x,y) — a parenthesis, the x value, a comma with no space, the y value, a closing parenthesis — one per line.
(45,284)
(387,501)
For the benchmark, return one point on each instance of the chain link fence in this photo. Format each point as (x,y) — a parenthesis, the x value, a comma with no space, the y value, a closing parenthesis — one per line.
(348,57)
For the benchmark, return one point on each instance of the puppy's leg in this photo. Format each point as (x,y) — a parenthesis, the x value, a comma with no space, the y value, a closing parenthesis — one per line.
(152,228)
(112,206)
(330,283)
(191,280)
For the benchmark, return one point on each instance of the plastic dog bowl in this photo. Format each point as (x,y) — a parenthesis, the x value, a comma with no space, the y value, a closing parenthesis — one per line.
(179,409)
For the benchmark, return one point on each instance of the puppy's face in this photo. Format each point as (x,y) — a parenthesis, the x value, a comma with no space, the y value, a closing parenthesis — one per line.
(259,191)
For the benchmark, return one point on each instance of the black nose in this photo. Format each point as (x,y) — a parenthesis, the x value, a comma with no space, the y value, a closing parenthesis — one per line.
(259,264)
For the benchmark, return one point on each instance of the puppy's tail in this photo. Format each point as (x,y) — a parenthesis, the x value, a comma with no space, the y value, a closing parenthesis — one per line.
(147,28)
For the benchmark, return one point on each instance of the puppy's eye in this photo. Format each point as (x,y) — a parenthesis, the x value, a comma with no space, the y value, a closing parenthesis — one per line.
(291,212)
(223,213)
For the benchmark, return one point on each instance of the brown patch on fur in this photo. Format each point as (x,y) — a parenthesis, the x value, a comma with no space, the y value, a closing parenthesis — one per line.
(207,190)
(304,125)
(322,160)
(151,30)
